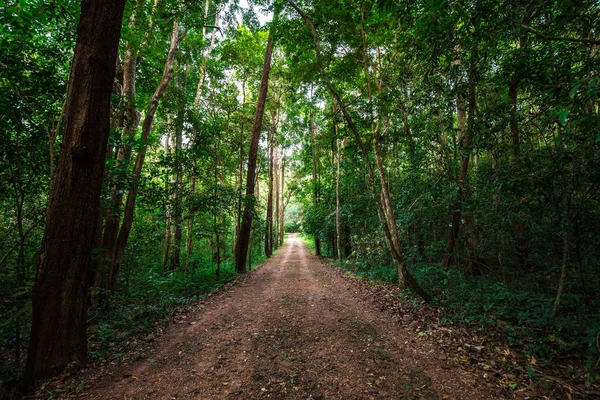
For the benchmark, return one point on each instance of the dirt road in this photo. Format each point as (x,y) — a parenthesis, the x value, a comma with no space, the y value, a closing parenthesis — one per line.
(293,329)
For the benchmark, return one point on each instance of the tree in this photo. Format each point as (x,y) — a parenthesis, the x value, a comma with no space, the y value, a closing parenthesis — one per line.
(244,236)
(58,333)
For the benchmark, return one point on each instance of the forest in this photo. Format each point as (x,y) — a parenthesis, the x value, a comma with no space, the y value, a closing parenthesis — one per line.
(154,151)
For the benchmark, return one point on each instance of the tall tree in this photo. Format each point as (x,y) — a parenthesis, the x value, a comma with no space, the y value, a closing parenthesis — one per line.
(244,236)
(129,212)
(58,332)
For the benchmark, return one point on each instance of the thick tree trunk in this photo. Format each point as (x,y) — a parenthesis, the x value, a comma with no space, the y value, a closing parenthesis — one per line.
(244,237)
(58,332)
(139,162)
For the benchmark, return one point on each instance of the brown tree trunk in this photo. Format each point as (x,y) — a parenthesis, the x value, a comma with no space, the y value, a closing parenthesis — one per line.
(244,236)
(313,134)
(565,258)
(347,244)
(168,204)
(283,204)
(240,177)
(189,242)
(128,118)
(189,239)
(139,162)
(338,228)
(276,228)
(521,248)
(58,332)
(269,219)
(465,137)
(177,181)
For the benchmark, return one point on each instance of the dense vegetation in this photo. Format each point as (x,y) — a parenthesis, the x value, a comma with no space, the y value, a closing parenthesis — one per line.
(449,146)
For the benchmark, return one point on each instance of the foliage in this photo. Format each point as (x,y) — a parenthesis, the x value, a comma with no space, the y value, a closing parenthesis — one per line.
(488,111)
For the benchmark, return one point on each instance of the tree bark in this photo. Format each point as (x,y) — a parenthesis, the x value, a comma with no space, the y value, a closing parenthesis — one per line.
(283,204)
(129,120)
(177,180)
(565,258)
(240,177)
(189,242)
(244,237)
(58,332)
(313,134)
(338,228)
(168,205)
(139,162)
(269,219)
(276,170)
(465,154)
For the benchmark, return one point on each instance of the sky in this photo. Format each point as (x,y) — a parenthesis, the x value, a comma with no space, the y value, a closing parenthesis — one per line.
(262,17)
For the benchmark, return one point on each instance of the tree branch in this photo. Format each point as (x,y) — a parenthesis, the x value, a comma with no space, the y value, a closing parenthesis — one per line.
(558,38)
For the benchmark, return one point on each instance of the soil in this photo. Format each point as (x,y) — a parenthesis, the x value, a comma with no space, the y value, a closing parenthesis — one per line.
(297,328)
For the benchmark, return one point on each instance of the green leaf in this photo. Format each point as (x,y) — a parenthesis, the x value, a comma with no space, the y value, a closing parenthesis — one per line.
(574,90)
(563,116)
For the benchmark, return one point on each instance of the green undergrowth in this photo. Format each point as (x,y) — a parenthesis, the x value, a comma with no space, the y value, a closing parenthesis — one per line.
(138,308)
(308,240)
(525,316)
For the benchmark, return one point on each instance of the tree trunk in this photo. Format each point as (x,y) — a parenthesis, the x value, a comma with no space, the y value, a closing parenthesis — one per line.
(313,133)
(283,205)
(189,239)
(139,162)
(269,219)
(189,242)
(253,228)
(244,237)
(58,332)
(465,137)
(128,118)
(168,204)
(240,177)
(177,180)
(276,169)
(521,247)
(565,258)
(347,244)
(338,228)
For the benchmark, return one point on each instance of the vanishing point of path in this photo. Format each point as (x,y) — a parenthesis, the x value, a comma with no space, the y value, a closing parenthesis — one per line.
(294,329)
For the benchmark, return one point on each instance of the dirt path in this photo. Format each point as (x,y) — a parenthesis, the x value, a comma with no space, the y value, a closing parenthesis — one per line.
(293,329)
